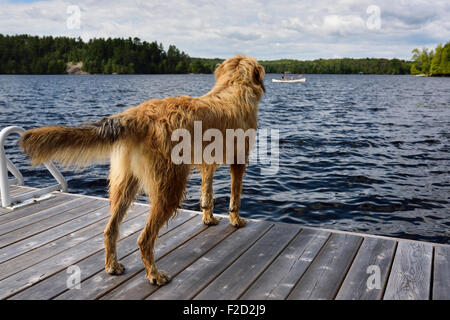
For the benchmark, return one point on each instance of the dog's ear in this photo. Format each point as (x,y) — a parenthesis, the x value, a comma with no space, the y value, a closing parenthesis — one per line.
(258,76)
(218,71)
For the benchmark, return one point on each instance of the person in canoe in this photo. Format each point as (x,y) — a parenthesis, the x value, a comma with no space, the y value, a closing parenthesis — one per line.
(283,76)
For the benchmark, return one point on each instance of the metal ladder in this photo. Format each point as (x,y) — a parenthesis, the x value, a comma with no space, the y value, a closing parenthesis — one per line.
(5,164)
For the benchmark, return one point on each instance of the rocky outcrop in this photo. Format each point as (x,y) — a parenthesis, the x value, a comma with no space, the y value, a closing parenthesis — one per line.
(75,68)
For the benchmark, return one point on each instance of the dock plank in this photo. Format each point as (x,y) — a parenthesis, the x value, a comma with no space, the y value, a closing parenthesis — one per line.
(57,283)
(441,274)
(46,268)
(265,260)
(323,278)
(18,190)
(410,277)
(69,212)
(139,287)
(378,253)
(34,208)
(241,274)
(44,237)
(101,283)
(50,249)
(44,214)
(278,280)
(199,274)
(14,191)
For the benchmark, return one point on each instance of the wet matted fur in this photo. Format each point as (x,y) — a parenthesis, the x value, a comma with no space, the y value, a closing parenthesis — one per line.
(138,143)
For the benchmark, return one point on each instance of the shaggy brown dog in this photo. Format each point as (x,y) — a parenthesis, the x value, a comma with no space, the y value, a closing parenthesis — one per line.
(138,143)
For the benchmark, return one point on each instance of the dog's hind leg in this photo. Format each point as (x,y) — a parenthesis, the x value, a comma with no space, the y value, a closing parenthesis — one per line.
(237,173)
(207,201)
(166,192)
(123,189)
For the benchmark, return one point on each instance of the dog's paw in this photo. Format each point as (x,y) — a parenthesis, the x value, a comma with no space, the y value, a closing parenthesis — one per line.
(238,222)
(159,278)
(210,221)
(115,269)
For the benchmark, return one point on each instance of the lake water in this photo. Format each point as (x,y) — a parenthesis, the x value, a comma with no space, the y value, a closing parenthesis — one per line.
(362,153)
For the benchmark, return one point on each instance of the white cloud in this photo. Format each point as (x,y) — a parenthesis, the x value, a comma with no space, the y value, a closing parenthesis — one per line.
(267,29)
(343,25)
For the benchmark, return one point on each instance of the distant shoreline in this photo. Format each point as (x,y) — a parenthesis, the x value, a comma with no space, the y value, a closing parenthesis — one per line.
(145,74)
(174,74)
(25,54)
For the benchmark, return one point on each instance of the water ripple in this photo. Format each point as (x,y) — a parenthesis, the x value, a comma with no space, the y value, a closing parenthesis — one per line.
(357,153)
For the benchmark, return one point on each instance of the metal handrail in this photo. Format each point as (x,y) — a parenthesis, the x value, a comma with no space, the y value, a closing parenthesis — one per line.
(6,164)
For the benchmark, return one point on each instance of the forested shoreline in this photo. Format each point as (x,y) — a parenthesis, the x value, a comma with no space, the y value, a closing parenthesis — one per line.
(339,66)
(432,63)
(25,54)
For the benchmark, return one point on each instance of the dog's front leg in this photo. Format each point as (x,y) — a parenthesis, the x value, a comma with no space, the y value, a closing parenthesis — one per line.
(207,201)
(237,173)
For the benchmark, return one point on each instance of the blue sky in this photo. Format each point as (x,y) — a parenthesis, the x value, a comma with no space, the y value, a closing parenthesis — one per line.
(269,29)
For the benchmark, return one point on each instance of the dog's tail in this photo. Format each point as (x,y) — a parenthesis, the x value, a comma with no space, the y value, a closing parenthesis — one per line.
(73,145)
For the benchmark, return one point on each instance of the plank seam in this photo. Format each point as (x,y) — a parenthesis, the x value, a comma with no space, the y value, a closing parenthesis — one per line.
(391,263)
(233,261)
(57,203)
(123,257)
(43,244)
(309,266)
(389,272)
(271,262)
(433,253)
(49,228)
(99,296)
(187,266)
(59,270)
(228,265)
(56,253)
(348,269)
(360,234)
(57,213)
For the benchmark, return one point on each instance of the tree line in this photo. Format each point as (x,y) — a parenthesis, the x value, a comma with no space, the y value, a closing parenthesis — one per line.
(432,63)
(339,66)
(25,54)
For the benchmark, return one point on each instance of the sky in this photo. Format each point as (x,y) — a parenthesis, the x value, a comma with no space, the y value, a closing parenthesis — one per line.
(266,30)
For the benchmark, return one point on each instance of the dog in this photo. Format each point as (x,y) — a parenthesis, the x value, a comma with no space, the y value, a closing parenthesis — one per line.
(138,143)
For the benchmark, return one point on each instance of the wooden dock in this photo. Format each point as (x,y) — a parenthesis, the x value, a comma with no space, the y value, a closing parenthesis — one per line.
(45,245)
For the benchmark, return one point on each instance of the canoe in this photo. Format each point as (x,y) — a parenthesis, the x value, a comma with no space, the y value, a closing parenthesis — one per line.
(287,80)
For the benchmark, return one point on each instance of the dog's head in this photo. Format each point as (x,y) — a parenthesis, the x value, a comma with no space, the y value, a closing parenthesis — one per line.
(242,70)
